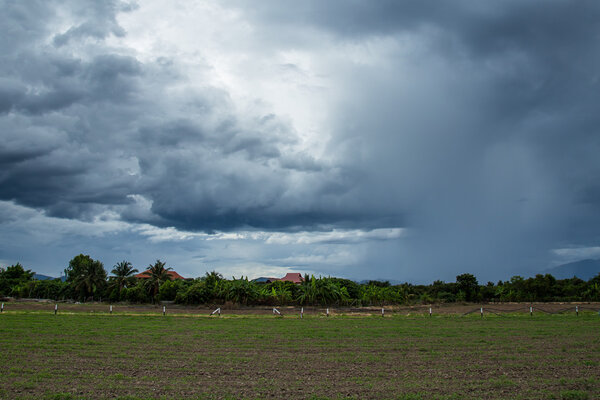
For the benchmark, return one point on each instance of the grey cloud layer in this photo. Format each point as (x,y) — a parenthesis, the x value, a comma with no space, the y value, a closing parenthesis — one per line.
(476,126)
(483,129)
(86,127)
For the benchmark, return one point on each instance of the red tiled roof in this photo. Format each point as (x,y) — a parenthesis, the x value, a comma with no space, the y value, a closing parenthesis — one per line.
(146,275)
(295,277)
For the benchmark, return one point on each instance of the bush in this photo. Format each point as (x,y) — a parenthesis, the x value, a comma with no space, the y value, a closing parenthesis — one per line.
(168,290)
(197,293)
(136,294)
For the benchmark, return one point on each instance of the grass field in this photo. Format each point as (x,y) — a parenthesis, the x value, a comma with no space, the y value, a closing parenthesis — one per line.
(83,355)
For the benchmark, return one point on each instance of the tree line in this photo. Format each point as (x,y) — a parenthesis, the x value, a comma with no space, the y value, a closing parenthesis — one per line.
(87,280)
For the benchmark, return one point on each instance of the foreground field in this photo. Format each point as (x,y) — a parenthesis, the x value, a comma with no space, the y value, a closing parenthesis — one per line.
(72,356)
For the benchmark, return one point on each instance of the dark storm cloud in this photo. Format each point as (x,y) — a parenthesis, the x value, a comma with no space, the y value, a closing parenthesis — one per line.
(477,127)
(487,141)
(84,135)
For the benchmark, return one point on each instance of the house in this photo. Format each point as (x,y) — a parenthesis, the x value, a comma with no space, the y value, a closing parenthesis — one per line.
(295,277)
(146,274)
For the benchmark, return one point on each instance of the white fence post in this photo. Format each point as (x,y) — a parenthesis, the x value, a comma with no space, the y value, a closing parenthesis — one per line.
(577,310)
(164,310)
(531,311)
(2,309)
(481,310)
(382,312)
(430,311)
(55,309)
(111,308)
(328,311)
(302,313)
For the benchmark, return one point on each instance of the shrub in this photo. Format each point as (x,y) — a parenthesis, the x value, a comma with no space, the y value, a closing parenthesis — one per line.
(136,294)
(197,293)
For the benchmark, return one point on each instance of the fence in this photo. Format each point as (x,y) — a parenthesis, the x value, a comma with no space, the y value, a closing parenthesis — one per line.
(300,312)
(531,309)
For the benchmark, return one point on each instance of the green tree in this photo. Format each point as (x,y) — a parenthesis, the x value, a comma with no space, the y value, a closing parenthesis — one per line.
(241,291)
(352,287)
(12,277)
(123,276)
(372,294)
(137,293)
(215,284)
(158,275)
(212,278)
(308,292)
(330,292)
(46,289)
(86,276)
(169,289)
(467,283)
(196,293)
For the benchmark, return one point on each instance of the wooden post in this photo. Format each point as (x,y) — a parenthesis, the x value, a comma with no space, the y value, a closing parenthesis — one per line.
(55,309)
(302,313)
(2,309)
(577,310)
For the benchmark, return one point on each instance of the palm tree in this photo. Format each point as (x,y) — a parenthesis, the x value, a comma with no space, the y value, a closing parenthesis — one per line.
(158,275)
(212,278)
(215,283)
(90,279)
(123,275)
(330,292)
(308,290)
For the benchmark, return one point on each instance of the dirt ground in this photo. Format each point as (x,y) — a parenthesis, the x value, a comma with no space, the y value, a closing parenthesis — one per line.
(231,309)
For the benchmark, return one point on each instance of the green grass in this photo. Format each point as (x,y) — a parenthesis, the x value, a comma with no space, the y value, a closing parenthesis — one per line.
(76,356)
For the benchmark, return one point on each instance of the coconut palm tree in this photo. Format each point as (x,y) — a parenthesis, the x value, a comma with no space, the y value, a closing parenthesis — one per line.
(158,275)
(90,279)
(216,285)
(123,275)
(308,291)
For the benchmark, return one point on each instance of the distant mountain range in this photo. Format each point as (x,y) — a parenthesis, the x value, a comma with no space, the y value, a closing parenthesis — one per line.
(40,277)
(392,282)
(584,269)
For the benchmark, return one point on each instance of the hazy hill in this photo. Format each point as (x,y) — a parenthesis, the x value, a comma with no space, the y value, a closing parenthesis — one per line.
(40,277)
(584,269)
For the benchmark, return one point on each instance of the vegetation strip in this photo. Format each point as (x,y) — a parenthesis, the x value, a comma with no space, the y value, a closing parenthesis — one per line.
(87,280)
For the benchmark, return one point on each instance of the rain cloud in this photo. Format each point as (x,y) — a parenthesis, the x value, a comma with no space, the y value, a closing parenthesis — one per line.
(414,141)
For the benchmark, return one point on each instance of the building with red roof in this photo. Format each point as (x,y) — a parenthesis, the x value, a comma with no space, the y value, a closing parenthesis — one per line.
(146,275)
(295,277)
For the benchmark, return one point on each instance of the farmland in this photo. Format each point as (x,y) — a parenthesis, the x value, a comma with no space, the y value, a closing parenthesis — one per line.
(146,355)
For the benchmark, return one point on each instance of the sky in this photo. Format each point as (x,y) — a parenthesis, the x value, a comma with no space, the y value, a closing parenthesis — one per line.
(409,141)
